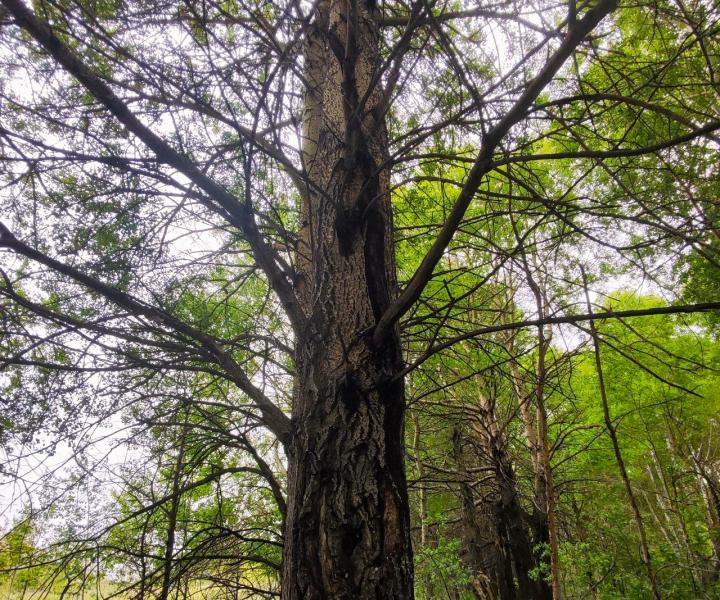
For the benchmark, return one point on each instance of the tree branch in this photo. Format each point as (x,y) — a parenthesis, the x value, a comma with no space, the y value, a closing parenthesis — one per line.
(611,314)
(272,417)
(237,213)
(484,163)
(706,130)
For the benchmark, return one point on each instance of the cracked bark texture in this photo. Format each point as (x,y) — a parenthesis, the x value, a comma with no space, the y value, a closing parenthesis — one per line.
(347,531)
(505,552)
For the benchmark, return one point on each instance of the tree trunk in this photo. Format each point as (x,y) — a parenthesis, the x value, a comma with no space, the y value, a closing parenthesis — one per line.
(525,558)
(544,487)
(483,537)
(347,532)
(172,515)
(620,461)
(508,513)
(423,502)
(711,496)
(512,516)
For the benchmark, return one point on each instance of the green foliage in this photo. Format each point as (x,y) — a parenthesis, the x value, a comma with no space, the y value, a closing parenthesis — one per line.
(439,571)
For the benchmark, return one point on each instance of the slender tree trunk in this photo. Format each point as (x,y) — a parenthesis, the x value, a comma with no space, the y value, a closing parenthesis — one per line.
(525,412)
(521,545)
(540,517)
(710,495)
(347,533)
(672,509)
(545,492)
(172,514)
(423,500)
(545,504)
(684,452)
(612,433)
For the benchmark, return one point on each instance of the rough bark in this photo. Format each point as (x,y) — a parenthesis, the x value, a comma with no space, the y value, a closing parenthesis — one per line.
(483,536)
(510,517)
(347,529)
(526,559)
(493,514)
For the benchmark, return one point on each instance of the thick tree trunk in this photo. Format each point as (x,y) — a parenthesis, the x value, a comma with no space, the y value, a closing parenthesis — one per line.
(512,518)
(509,516)
(483,535)
(347,530)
